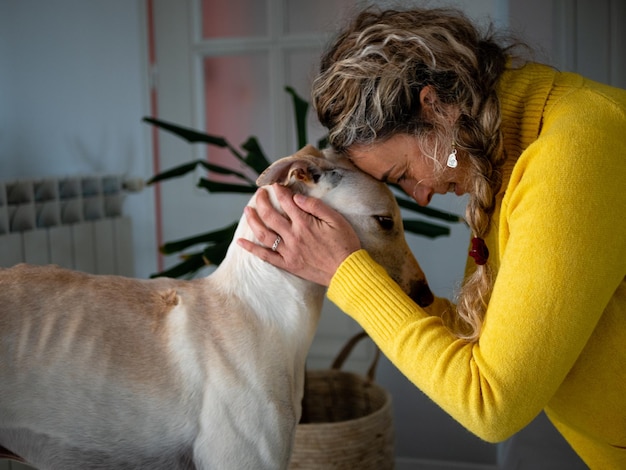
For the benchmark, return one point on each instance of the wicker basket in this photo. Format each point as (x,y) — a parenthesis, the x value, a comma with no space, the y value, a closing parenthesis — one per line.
(346,421)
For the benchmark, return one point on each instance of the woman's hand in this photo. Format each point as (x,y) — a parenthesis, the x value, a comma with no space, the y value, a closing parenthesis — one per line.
(315,239)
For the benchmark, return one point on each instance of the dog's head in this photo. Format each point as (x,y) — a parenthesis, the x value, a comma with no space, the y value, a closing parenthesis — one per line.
(368,204)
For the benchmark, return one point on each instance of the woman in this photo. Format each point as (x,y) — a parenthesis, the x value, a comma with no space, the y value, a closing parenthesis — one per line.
(421,99)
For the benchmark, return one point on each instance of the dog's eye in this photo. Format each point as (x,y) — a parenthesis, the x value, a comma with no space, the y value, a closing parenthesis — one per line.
(334,177)
(385,222)
(315,175)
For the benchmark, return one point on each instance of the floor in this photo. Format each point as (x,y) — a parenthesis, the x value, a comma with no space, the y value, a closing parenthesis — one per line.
(10,465)
(538,447)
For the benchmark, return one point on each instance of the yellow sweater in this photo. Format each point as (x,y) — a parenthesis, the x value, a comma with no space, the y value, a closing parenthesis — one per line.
(554,336)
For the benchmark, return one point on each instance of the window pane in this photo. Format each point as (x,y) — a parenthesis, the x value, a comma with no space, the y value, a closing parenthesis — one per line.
(236,90)
(306,16)
(229,18)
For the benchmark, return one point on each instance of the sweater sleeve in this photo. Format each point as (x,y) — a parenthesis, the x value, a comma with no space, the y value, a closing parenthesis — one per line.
(441,365)
(562,256)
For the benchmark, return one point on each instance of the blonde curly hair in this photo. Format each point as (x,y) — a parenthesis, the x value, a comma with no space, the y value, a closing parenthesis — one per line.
(368,90)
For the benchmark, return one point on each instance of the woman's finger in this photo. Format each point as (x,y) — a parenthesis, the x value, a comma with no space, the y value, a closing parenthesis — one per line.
(269,215)
(316,208)
(265,235)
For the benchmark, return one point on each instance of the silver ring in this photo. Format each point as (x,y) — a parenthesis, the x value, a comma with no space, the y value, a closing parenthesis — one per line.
(276,243)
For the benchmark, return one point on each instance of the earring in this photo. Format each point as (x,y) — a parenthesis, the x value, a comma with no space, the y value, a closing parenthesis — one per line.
(452,161)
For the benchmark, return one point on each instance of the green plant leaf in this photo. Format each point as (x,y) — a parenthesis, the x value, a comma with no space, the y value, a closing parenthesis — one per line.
(173,172)
(185,168)
(217,236)
(191,264)
(428,211)
(217,187)
(300,111)
(215,254)
(211,255)
(193,136)
(255,158)
(190,135)
(322,143)
(426,229)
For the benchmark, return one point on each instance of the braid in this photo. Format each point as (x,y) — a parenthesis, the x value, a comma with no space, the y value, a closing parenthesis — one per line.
(368,90)
(487,140)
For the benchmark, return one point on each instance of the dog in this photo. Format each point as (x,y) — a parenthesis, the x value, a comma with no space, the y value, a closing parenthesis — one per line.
(110,372)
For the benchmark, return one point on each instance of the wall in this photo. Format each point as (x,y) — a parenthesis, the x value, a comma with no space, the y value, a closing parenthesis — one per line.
(72,96)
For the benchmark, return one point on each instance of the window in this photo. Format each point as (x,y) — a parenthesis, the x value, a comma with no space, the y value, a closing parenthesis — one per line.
(246,52)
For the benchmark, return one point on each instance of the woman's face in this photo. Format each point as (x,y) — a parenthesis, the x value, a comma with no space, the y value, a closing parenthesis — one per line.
(399,160)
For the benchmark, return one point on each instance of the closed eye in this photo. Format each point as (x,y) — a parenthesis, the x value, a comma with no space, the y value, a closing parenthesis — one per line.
(385,222)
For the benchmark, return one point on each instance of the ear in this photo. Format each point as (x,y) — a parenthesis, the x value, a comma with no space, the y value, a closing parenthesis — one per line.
(428,96)
(303,166)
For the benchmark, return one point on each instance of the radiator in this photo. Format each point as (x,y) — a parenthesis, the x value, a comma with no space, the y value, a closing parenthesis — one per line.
(74,222)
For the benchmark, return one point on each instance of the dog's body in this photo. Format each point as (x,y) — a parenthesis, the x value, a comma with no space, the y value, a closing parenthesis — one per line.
(111,372)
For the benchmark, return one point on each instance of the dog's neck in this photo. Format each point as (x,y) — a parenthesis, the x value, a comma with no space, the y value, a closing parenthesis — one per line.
(282,297)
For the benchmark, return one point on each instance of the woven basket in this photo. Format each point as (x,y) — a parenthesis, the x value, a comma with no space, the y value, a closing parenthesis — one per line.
(346,421)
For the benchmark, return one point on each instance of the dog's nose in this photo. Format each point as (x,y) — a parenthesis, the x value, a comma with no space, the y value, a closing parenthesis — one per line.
(421,293)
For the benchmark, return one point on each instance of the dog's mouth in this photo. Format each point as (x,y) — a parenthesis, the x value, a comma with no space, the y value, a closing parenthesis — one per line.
(421,294)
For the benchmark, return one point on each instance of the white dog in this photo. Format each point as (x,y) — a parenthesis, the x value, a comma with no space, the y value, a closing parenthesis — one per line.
(117,373)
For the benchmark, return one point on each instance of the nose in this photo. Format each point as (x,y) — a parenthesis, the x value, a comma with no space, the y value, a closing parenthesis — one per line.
(422,195)
(421,293)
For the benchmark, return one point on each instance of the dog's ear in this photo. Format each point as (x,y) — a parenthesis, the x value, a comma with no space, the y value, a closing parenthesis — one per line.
(303,166)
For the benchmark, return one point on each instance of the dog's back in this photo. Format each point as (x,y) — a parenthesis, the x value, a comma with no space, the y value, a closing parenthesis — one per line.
(84,365)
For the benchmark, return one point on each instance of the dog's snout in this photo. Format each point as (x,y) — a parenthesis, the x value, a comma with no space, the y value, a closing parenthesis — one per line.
(421,293)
